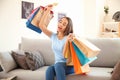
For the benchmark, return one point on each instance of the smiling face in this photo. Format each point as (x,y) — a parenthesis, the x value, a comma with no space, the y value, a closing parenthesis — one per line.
(62,24)
(65,26)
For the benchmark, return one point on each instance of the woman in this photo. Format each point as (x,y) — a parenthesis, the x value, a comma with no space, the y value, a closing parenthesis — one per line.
(64,33)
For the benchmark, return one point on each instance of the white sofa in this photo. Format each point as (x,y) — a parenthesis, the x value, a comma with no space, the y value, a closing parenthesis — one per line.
(100,68)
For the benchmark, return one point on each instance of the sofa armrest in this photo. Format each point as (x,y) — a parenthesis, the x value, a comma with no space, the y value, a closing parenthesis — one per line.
(6,61)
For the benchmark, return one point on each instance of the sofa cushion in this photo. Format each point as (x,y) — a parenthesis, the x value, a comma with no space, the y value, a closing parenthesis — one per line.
(116,72)
(20,60)
(7,62)
(22,74)
(96,73)
(34,60)
(110,51)
(1,68)
(42,45)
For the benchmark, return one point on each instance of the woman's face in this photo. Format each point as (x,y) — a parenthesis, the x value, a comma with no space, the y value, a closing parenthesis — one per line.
(62,24)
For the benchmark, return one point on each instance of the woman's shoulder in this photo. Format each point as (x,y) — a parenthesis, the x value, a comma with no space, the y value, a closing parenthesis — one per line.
(53,35)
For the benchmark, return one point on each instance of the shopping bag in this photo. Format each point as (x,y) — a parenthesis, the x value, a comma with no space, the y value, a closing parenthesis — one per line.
(35,18)
(78,68)
(82,57)
(67,54)
(30,18)
(89,49)
(39,14)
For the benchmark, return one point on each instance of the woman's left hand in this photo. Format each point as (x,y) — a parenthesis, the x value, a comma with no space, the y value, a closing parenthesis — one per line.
(70,37)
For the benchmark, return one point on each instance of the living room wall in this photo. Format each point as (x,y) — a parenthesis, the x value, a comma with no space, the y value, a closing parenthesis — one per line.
(114,6)
(12,26)
(87,18)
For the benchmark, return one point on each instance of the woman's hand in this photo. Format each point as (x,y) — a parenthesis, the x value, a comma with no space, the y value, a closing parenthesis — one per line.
(49,7)
(70,37)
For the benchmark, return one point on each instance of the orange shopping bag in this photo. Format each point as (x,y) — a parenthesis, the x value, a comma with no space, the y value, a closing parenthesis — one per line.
(78,68)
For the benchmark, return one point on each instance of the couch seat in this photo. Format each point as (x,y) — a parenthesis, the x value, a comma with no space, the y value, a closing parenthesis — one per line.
(96,73)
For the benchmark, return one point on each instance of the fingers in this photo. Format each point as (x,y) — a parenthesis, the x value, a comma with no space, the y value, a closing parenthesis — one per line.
(71,36)
(50,6)
(55,4)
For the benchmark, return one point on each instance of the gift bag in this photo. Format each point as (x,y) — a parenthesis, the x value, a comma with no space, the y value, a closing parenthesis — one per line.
(89,49)
(30,18)
(67,54)
(78,68)
(82,57)
(35,18)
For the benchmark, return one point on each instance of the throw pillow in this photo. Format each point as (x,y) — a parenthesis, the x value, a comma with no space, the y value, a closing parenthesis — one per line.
(116,72)
(34,60)
(1,69)
(20,60)
(7,62)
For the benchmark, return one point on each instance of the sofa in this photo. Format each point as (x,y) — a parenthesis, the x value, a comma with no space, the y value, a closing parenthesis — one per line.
(101,68)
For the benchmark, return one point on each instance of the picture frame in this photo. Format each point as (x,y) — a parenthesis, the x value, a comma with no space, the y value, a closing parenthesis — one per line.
(27,8)
(60,15)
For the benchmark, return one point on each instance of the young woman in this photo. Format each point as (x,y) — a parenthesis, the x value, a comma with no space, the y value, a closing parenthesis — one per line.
(64,33)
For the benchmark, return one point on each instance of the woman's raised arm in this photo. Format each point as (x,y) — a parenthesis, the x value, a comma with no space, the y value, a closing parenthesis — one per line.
(42,24)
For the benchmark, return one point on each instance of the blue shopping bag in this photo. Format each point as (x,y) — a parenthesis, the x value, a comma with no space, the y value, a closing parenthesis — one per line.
(82,57)
(30,25)
(34,18)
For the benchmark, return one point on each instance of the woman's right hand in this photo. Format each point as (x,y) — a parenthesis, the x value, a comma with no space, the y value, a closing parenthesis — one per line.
(49,7)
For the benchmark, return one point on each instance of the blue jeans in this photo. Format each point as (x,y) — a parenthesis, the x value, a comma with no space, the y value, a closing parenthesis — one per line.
(60,70)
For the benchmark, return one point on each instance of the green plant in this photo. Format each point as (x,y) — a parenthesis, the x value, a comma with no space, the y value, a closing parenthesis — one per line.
(106,9)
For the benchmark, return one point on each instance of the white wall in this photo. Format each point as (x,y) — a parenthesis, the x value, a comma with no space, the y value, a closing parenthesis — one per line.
(12,27)
(87,16)
(114,6)
(90,18)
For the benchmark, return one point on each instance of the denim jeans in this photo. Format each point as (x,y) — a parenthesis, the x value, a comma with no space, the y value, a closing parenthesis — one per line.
(60,70)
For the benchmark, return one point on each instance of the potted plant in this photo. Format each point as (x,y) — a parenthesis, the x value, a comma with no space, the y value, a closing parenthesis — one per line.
(106,9)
